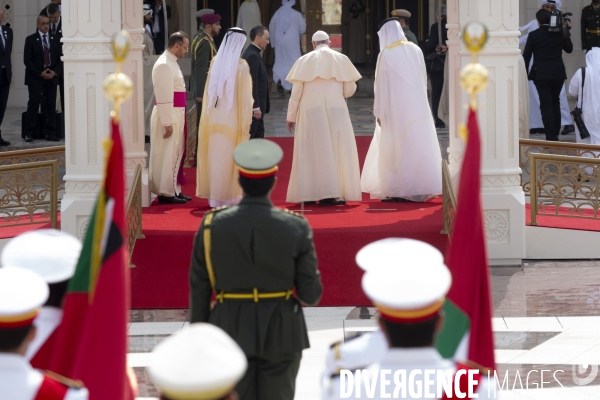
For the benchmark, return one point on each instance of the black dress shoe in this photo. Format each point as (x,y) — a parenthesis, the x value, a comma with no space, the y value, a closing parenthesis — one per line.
(4,142)
(394,200)
(184,197)
(28,138)
(52,138)
(170,200)
(568,129)
(332,202)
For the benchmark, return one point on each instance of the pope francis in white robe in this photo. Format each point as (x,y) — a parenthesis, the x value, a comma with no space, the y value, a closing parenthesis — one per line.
(225,122)
(404,160)
(166,153)
(325,164)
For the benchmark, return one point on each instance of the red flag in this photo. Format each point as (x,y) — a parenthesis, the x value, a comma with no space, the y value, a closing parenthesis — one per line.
(467,334)
(92,339)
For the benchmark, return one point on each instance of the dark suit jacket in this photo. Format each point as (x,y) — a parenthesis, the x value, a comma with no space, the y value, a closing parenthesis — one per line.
(5,55)
(434,41)
(161,17)
(547,48)
(260,78)
(33,58)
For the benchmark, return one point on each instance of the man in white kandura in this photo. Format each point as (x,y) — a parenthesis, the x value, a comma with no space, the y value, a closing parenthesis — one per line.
(403,162)
(535,115)
(225,122)
(325,165)
(168,121)
(588,98)
(248,17)
(286,27)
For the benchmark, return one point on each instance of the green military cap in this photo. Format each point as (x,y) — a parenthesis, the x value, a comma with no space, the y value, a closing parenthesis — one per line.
(257,158)
(401,13)
(204,11)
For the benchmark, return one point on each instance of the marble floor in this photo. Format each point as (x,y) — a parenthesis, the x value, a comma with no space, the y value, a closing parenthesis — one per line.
(546,317)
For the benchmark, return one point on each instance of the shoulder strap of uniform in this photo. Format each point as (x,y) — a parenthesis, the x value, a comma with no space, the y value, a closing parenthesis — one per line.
(55,387)
(293,213)
(207,244)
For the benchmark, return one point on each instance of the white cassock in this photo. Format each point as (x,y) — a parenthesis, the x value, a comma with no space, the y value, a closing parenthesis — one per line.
(404,159)
(416,359)
(325,163)
(19,381)
(149,59)
(591,96)
(248,18)
(535,115)
(224,124)
(165,154)
(286,28)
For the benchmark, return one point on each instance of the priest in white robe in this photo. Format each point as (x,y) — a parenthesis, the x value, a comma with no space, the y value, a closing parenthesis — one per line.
(588,98)
(168,122)
(225,122)
(535,115)
(149,59)
(404,161)
(286,27)
(248,17)
(325,165)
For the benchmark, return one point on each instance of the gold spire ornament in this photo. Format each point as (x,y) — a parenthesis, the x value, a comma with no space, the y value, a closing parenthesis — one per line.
(474,76)
(118,87)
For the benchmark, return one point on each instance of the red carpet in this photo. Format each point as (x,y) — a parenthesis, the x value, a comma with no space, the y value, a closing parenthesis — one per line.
(551,221)
(160,279)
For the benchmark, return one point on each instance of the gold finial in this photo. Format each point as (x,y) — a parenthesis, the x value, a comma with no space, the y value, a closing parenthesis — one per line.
(474,77)
(117,86)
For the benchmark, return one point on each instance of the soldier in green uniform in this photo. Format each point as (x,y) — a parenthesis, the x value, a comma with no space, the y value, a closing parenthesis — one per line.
(203,49)
(590,25)
(404,18)
(261,264)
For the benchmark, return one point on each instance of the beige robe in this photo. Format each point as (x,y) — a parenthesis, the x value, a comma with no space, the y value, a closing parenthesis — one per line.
(165,154)
(325,163)
(218,135)
(149,59)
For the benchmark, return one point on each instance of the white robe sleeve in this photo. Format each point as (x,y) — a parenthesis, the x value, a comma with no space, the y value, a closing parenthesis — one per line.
(301,23)
(575,85)
(162,77)
(295,98)
(349,89)
(272,30)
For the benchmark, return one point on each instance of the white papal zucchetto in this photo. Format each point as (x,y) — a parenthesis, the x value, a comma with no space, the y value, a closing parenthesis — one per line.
(319,36)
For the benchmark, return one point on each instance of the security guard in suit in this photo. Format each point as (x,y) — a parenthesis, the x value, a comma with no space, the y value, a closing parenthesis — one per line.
(590,25)
(261,264)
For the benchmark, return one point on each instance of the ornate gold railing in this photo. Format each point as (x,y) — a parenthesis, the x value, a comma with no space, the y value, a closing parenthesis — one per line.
(34,155)
(529,146)
(192,143)
(566,186)
(448,200)
(134,212)
(29,193)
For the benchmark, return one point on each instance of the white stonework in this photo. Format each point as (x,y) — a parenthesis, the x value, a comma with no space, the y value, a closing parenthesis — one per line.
(503,198)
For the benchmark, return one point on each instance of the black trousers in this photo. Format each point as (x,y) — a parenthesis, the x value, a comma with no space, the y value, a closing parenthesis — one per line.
(257,128)
(35,97)
(549,92)
(4,89)
(159,42)
(437,84)
(270,376)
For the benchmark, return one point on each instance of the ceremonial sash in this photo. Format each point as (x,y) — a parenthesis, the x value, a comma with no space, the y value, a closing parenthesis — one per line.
(51,389)
(179,99)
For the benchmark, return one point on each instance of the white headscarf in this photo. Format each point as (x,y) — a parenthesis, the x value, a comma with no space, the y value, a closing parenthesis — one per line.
(592,80)
(556,2)
(390,33)
(224,68)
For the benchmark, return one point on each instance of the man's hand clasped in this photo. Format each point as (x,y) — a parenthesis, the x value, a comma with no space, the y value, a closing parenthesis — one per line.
(48,74)
(168,131)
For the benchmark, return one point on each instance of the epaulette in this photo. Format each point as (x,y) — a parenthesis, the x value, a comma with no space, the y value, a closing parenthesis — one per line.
(217,209)
(71,383)
(206,38)
(293,213)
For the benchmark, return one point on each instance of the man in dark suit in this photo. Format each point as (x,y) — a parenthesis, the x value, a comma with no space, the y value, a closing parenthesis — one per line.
(6,42)
(160,24)
(436,46)
(42,70)
(44,11)
(56,34)
(548,70)
(259,35)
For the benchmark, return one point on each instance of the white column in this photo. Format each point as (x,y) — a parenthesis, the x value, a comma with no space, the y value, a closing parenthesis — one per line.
(132,111)
(88,26)
(503,198)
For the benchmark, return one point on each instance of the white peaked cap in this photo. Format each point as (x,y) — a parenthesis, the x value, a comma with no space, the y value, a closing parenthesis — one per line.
(412,288)
(22,293)
(320,36)
(200,362)
(394,253)
(50,253)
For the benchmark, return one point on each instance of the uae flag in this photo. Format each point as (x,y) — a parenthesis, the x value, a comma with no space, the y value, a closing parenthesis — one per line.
(92,339)
(467,333)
